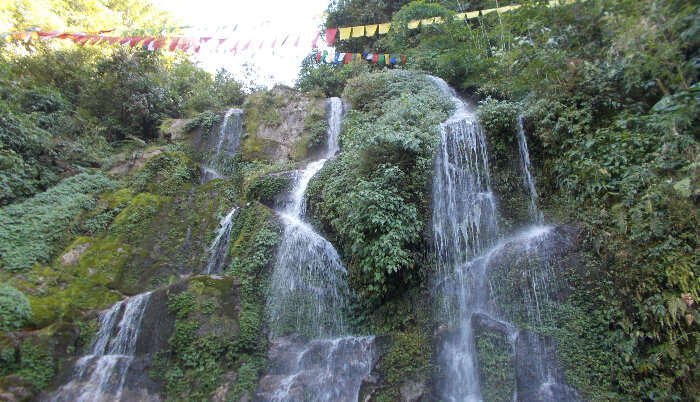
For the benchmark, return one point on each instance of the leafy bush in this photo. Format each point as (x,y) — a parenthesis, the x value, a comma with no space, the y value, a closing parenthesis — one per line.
(14,308)
(371,194)
(33,230)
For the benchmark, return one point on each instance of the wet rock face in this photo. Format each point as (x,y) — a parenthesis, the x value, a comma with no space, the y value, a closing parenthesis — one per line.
(327,369)
(539,379)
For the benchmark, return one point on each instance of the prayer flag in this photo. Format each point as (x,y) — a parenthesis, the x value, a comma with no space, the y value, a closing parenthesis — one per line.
(296,44)
(344,33)
(221,42)
(460,16)
(124,41)
(358,57)
(348,57)
(367,56)
(358,32)
(147,42)
(426,21)
(403,59)
(134,40)
(173,44)
(318,57)
(335,58)
(392,59)
(387,58)
(472,14)
(371,29)
(413,24)
(158,43)
(384,28)
(285,40)
(324,55)
(313,44)
(330,35)
(375,57)
(380,59)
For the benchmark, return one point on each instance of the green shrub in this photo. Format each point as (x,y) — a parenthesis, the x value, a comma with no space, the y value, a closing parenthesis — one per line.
(373,194)
(14,308)
(34,230)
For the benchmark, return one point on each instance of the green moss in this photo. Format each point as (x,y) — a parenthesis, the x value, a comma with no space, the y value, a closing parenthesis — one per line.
(34,230)
(165,174)
(315,129)
(266,188)
(260,109)
(137,218)
(496,365)
(409,359)
(36,364)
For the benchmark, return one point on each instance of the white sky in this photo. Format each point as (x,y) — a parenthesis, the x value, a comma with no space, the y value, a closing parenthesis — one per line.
(256,19)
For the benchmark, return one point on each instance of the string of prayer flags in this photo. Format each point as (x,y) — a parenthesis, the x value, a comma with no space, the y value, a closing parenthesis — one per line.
(345,58)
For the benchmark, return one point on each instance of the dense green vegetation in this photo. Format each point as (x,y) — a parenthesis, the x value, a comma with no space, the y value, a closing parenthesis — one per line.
(371,195)
(96,204)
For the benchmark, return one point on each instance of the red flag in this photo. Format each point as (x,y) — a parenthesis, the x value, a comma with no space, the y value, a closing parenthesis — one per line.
(125,40)
(205,40)
(274,41)
(262,42)
(403,59)
(318,57)
(63,35)
(184,44)
(330,35)
(173,44)
(92,40)
(134,40)
(375,58)
(313,44)
(234,49)
(296,44)
(147,42)
(246,45)
(348,56)
(158,43)
(221,41)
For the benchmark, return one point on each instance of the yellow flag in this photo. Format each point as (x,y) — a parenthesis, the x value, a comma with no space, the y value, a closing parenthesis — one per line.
(460,16)
(413,24)
(344,33)
(358,57)
(490,10)
(371,29)
(427,21)
(438,20)
(358,32)
(387,58)
(384,28)
(472,14)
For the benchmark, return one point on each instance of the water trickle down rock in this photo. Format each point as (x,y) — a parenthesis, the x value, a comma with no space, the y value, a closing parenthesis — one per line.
(486,281)
(529,181)
(219,247)
(100,375)
(308,295)
(227,140)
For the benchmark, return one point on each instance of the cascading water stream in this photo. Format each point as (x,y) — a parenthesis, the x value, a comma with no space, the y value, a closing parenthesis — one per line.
(100,375)
(228,140)
(472,264)
(308,289)
(308,295)
(535,214)
(219,247)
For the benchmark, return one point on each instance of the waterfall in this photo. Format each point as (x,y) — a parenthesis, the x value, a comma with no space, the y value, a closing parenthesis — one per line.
(535,214)
(308,292)
(100,375)
(464,225)
(228,140)
(308,295)
(219,247)
(474,262)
